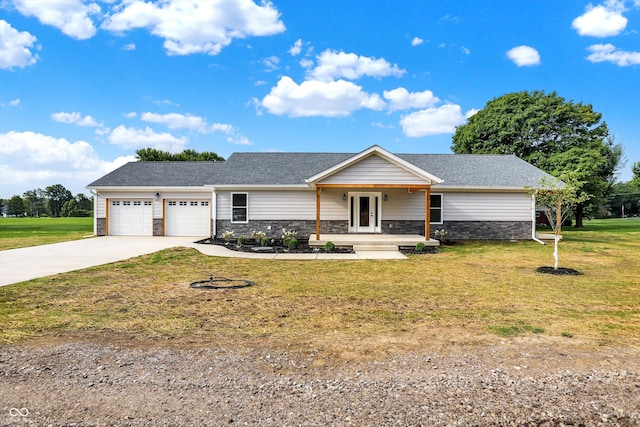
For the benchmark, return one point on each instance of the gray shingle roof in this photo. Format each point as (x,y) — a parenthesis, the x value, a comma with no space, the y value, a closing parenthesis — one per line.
(457,170)
(160,174)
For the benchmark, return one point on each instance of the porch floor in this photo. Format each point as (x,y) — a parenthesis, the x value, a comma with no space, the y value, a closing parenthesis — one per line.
(351,240)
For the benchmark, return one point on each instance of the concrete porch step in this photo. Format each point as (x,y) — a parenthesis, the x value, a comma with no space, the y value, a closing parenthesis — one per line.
(374,247)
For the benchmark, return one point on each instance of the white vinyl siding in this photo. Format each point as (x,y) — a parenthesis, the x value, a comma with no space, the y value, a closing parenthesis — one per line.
(286,205)
(487,207)
(373,170)
(402,205)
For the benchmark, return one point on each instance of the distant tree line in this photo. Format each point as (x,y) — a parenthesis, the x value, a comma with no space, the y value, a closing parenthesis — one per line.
(54,201)
(155,155)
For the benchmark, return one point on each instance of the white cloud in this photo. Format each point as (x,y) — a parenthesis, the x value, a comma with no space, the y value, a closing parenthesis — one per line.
(72,17)
(198,26)
(609,53)
(76,119)
(187,121)
(333,65)
(602,20)
(465,50)
(14,102)
(524,56)
(32,160)
(15,47)
(131,138)
(130,46)
(296,48)
(176,121)
(401,99)
(318,98)
(416,41)
(131,115)
(471,112)
(432,121)
(272,63)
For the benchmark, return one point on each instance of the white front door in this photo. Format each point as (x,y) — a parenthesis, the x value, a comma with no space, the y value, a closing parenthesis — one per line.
(365,215)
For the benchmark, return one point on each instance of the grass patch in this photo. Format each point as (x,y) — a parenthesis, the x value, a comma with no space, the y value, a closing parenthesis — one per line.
(24,232)
(456,295)
(514,330)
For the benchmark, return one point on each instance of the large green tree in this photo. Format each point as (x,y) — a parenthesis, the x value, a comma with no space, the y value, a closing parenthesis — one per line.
(35,202)
(155,155)
(57,195)
(556,135)
(635,180)
(15,206)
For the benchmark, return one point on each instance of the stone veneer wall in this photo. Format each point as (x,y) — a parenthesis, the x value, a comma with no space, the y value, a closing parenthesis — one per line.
(485,230)
(157,227)
(458,230)
(101,226)
(304,227)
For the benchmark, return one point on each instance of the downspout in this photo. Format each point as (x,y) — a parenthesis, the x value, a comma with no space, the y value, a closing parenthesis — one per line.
(95,211)
(214,208)
(533,220)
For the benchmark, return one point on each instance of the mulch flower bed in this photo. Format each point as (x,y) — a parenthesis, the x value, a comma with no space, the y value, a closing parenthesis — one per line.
(560,271)
(274,246)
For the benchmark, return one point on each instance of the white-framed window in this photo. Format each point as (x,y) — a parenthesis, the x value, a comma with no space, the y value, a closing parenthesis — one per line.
(172,203)
(193,203)
(115,202)
(240,207)
(183,203)
(435,213)
(205,203)
(137,203)
(126,203)
(147,202)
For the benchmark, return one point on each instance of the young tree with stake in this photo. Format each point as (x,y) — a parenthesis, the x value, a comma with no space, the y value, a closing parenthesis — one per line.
(559,198)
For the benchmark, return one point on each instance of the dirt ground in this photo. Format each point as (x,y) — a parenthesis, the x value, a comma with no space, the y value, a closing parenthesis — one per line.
(117,381)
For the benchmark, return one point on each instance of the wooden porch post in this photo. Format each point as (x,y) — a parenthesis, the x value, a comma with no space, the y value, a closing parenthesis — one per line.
(317,213)
(427,213)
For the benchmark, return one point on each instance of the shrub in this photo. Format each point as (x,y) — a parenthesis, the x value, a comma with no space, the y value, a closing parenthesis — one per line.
(420,246)
(292,243)
(241,240)
(258,235)
(329,246)
(264,241)
(228,235)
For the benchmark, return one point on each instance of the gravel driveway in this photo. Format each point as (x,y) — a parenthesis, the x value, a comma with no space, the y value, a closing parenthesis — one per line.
(89,384)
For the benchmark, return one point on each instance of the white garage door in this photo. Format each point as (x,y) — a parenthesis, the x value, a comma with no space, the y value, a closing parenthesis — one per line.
(130,218)
(188,218)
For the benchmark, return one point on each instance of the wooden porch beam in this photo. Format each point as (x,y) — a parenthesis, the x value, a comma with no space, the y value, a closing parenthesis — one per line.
(414,187)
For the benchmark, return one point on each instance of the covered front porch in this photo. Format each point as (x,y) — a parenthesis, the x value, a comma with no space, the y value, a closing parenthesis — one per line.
(371,241)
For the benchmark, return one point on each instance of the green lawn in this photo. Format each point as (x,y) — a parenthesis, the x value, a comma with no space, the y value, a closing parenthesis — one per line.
(23,232)
(477,292)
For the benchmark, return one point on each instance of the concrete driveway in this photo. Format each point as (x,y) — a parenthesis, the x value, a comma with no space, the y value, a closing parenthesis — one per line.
(18,265)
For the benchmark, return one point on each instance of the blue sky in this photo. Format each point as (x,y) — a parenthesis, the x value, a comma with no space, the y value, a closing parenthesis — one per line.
(83,84)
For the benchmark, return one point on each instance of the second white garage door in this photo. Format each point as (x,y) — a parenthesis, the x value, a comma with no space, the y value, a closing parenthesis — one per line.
(188,218)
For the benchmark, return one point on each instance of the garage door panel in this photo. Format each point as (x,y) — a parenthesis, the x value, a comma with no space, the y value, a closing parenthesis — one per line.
(188,218)
(130,218)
